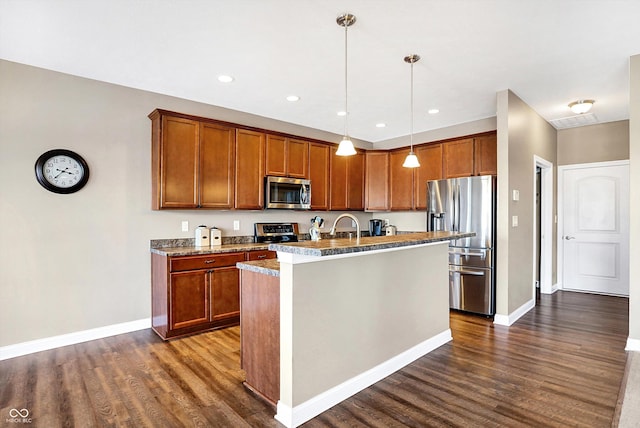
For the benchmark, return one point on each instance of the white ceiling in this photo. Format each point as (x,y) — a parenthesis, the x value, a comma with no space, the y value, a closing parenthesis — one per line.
(549,52)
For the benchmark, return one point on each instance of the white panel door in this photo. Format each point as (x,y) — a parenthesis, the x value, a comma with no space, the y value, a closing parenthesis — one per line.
(596,229)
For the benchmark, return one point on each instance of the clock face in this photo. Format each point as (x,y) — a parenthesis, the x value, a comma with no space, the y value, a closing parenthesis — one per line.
(62,171)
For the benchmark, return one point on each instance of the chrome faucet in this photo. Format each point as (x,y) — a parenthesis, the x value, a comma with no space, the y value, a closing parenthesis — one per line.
(352,217)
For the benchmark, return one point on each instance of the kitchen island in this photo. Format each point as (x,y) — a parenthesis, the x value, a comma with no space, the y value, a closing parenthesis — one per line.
(337,315)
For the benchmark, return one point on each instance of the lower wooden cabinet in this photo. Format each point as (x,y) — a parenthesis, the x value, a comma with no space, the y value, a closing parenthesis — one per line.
(191,294)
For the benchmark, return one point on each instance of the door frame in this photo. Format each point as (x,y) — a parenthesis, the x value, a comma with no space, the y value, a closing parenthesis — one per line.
(546,226)
(559,240)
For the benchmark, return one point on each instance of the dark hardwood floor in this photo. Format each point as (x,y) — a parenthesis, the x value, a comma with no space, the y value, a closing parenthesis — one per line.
(560,365)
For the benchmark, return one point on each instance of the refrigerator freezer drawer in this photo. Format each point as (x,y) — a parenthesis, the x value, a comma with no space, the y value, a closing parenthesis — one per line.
(472,257)
(470,290)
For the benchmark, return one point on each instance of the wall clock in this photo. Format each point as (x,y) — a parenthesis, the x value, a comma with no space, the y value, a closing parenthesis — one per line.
(62,171)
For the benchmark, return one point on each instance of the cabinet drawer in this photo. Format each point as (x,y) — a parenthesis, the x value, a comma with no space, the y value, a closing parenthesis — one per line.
(261,255)
(205,262)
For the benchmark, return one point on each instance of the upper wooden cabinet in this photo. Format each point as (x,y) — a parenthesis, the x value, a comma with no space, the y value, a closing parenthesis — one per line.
(192,163)
(486,156)
(347,181)
(319,175)
(287,157)
(400,181)
(457,158)
(249,178)
(470,156)
(217,155)
(377,181)
(430,168)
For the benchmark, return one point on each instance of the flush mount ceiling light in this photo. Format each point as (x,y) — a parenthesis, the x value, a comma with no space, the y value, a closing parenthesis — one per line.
(433,111)
(412,160)
(581,106)
(225,79)
(293,98)
(345,148)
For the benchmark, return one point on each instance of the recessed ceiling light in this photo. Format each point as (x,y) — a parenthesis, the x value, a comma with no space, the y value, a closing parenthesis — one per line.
(433,111)
(293,98)
(225,79)
(342,113)
(380,125)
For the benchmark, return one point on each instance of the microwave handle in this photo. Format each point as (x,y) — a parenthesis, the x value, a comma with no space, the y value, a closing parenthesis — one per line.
(304,194)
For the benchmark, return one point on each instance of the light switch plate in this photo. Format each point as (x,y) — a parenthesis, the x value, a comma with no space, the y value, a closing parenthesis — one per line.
(516,195)
(514,221)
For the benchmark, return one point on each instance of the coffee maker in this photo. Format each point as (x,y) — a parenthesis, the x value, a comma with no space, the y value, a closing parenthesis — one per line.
(376,226)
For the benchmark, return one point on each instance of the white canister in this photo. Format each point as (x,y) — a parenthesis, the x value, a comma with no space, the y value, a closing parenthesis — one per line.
(215,237)
(202,236)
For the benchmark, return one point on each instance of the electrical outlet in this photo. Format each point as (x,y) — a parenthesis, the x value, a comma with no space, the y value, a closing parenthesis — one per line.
(185,226)
(236,224)
(514,221)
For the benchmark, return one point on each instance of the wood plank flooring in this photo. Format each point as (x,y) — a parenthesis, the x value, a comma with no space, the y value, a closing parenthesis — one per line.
(560,365)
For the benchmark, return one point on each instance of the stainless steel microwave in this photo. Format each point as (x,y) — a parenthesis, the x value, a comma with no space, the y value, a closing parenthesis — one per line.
(288,193)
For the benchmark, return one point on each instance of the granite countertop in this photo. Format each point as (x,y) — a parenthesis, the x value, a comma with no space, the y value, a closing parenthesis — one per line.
(194,251)
(266,267)
(329,247)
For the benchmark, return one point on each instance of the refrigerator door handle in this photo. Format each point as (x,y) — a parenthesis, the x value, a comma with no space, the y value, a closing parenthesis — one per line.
(470,272)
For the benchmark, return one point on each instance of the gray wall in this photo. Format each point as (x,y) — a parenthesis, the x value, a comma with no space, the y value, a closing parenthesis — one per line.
(595,143)
(522,133)
(74,262)
(634,178)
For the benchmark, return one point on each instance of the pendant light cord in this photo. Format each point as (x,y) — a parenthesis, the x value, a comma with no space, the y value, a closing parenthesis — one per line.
(346,92)
(411,137)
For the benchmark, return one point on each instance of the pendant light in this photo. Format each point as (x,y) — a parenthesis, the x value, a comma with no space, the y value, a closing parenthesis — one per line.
(345,148)
(412,160)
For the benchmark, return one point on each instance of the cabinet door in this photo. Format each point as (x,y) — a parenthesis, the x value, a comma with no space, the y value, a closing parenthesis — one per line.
(225,293)
(400,181)
(249,169)
(217,154)
(355,182)
(377,181)
(276,156)
(430,168)
(319,175)
(458,158)
(189,293)
(179,163)
(486,161)
(297,158)
(338,181)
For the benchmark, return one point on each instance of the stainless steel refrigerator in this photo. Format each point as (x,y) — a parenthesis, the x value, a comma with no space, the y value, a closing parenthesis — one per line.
(467,205)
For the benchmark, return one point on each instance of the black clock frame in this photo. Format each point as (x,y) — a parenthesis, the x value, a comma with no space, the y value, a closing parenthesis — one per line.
(42,160)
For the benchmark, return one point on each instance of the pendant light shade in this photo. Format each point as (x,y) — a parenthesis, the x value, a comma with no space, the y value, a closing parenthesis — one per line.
(412,160)
(346,146)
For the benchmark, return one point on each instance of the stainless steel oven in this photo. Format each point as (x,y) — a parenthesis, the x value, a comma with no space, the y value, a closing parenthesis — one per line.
(288,193)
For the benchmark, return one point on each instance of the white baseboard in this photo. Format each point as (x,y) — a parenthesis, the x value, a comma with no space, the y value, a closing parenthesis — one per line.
(508,320)
(24,348)
(633,345)
(293,417)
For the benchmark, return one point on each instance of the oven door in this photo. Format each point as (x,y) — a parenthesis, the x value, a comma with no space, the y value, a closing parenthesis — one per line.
(470,289)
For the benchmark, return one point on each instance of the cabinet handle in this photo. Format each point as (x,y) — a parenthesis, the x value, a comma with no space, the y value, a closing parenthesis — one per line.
(262,256)
(210,261)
